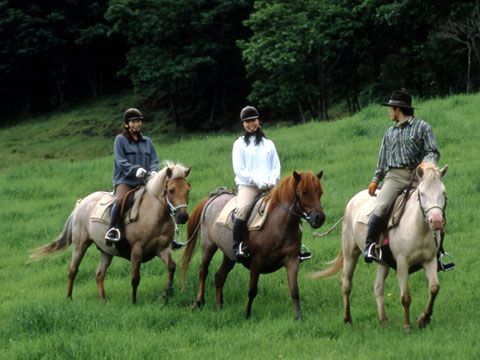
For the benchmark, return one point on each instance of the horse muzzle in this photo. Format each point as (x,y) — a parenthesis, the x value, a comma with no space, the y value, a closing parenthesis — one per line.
(316,218)
(181,217)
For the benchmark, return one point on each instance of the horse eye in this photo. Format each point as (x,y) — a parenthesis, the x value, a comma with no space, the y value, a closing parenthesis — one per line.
(305,192)
(171,191)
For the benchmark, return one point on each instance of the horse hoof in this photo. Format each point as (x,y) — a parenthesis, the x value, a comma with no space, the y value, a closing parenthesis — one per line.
(347,321)
(422,321)
(168,292)
(198,304)
(407,328)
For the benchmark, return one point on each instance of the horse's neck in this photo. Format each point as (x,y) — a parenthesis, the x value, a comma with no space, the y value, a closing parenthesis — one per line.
(413,219)
(288,217)
(153,206)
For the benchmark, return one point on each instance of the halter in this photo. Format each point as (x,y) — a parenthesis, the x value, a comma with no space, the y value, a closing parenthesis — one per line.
(425,211)
(172,210)
(297,210)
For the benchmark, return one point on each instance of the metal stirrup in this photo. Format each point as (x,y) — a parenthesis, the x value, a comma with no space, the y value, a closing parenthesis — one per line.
(116,237)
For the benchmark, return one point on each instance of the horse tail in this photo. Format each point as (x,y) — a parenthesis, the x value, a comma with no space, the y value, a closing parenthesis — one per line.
(336,265)
(193,226)
(62,242)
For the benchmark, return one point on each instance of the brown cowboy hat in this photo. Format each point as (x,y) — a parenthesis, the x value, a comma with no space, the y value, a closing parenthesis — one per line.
(400,99)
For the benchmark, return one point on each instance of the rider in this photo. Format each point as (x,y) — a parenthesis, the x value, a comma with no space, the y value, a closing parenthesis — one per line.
(405,145)
(257,168)
(135,157)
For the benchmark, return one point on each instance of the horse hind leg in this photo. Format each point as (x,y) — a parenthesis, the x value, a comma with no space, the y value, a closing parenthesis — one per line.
(349,264)
(105,261)
(220,278)
(434,288)
(207,254)
(79,249)
(252,290)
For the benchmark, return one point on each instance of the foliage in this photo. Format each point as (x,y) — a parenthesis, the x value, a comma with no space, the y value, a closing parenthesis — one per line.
(38,193)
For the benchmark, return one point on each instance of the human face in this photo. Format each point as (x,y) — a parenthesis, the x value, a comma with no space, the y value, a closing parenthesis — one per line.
(135,125)
(393,113)
(251,126)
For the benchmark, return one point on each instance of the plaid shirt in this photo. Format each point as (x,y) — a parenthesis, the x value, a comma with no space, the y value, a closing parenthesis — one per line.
(406,145)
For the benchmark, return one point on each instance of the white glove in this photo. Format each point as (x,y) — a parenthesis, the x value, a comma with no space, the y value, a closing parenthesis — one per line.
(153,173)
(140,173)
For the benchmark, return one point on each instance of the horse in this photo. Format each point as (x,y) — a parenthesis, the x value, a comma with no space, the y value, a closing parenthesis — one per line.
(163,205)
(414,243)
(275,245)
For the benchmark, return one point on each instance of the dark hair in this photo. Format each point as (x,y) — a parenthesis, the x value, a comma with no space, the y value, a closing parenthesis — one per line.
(258,135)
(407,111)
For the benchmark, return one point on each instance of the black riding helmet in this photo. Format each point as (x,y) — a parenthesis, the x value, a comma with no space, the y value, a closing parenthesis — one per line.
(249,113)
(132,114)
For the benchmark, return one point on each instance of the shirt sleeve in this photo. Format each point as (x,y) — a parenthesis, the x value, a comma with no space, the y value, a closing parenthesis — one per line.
(121,159)
(430,148)
(154,163)
(275,166)
(381,168)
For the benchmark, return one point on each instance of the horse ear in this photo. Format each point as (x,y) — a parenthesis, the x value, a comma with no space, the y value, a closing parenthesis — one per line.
(296,176)
(188,171)
(319,175)
(169,172)
(443,171)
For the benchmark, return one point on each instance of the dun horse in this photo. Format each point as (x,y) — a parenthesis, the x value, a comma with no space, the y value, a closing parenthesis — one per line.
(275,245)
(413,242)
(164,203)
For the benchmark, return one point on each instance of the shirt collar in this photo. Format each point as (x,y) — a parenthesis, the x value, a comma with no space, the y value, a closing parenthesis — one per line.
(401,124)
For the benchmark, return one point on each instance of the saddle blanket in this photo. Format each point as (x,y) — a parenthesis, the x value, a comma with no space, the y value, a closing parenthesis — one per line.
(363,215)
(101,212)
(255,221)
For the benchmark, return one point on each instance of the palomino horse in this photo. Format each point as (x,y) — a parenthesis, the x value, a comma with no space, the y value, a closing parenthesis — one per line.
(413,242)
(275,245)
(164,203)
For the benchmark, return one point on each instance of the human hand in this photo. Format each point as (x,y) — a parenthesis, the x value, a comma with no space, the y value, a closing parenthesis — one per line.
(141,172)
(372,187)
(153,173)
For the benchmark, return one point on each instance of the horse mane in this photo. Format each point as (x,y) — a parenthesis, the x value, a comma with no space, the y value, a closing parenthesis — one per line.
(284,191)
(430,172)
(156,183)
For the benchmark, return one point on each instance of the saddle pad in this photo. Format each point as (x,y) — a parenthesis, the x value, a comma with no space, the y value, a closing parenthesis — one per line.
(101,212)
(363,214)
(255,221)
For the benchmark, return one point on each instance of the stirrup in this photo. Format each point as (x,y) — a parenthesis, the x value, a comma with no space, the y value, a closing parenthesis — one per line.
(113,234)
(242,253)
(177,245)
(373,253)
(445,266)
(305,253)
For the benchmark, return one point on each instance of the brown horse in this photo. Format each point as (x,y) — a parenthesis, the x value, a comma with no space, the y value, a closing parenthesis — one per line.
(275,245)
(413,242)
(164,203)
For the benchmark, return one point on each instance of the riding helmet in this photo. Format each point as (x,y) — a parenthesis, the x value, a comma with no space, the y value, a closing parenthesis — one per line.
(249,113)
(132,114)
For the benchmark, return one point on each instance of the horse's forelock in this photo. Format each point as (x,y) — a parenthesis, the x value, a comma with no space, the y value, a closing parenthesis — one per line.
(430,173)
(157,183)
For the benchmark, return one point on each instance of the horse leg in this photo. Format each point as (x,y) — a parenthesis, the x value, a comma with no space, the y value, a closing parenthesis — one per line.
(166,257)
(105,261)
(378,289)
(252,290)
(291,264)
(402,275)
(207,255)
(220,278)
(434,288)
(135,259)
(349,264)
(79,249)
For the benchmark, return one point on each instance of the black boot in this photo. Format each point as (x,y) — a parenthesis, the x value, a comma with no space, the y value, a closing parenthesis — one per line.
(239,249)
(177,245)
(304,253)
(375,227)
(113,234)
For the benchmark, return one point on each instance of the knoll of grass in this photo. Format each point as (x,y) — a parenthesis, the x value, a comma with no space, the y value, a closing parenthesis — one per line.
(38,192)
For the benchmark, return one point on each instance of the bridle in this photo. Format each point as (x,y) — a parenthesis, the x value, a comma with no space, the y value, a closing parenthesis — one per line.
(297,210)
(426,210)
(172,209)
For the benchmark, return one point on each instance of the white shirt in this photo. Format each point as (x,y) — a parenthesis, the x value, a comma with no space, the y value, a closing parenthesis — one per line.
(255,165)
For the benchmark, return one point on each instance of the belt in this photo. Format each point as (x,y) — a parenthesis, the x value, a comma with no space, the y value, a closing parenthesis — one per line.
(406,167)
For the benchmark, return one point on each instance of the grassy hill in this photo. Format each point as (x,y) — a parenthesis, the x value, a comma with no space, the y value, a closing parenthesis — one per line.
(47,163)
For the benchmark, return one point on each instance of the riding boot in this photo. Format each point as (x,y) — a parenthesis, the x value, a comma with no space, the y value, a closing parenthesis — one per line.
(177,245)
(113,234)
(304,253)
(239,249)
(376,225)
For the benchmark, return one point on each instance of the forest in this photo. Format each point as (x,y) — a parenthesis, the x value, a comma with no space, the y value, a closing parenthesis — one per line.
(200,61)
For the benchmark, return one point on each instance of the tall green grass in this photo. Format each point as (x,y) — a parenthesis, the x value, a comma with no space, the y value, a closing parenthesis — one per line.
(38,192)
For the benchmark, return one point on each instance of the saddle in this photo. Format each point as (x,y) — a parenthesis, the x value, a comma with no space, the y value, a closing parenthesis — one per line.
(130,207)
(256,219)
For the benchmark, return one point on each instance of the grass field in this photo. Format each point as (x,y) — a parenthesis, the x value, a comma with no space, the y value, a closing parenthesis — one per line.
(47,163)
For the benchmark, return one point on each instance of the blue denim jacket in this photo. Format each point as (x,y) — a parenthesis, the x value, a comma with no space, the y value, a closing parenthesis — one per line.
(131,155)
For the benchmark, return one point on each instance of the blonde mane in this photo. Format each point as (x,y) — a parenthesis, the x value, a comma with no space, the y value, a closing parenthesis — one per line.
(156,184)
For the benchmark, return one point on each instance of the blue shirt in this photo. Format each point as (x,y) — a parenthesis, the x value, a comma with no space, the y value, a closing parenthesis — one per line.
(131,155)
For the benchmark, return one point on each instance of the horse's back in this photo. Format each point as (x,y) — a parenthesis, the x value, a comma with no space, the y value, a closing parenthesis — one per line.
(357,213)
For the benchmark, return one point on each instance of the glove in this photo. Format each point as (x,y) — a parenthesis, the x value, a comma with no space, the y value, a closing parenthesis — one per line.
(153,173)
(140,173)
(372,187)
